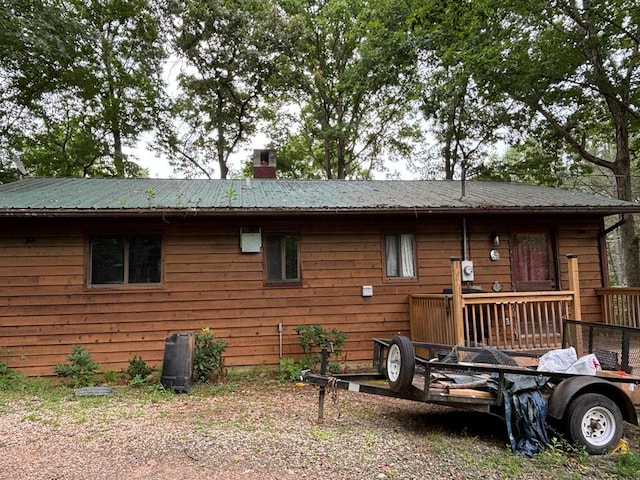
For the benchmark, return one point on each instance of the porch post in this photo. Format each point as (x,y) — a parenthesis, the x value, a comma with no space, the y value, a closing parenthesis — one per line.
(576,309)
(456,297)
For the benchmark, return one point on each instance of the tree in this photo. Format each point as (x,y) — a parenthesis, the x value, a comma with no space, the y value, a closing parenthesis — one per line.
(119,72)
(106,84)
(354,81)
(232,52)
(571,66)
(463,123)
(37,46)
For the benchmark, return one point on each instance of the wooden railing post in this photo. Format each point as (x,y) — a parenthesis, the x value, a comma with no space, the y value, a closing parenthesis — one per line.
(456,300)
(576,309)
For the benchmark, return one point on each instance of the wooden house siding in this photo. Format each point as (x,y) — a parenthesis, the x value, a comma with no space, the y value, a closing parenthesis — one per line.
(46,305)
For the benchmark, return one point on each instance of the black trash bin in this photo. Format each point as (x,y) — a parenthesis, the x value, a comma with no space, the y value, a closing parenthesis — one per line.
(177,366)
(481,330)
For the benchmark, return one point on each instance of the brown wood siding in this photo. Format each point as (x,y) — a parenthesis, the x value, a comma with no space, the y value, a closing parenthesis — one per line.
(46,307)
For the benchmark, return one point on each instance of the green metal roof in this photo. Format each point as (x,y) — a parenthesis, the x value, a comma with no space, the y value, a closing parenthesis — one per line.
(82,196)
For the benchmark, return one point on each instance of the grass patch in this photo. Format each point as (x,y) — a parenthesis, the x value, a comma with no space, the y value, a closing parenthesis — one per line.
(627,465)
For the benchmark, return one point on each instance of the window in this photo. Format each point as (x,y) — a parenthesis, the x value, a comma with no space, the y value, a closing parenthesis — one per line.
(281,252)
(125,260)
(400,256)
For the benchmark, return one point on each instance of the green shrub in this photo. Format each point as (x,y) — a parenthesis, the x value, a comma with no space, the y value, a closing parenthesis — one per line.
(9,379)
(290,370)
(111,376)
(208,364)
(82,369)
(138,368)
(312,338)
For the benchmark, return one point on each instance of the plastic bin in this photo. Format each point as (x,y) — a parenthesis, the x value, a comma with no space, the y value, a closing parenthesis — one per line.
(177,366)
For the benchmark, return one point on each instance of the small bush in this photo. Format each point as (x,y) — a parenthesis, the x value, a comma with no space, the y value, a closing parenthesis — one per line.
(290,370)
(9,379)
(111,376)
(138,368)
(208,363)
(82,369)
(312,338)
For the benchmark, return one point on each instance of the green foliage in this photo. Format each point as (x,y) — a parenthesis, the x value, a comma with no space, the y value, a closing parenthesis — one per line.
(111,377)
(138,369)
(558,69)
(234,53)
(82,369)
(536,161)
(208,363)
(81,83)
(151,195)
(627,465)
(231,196)
(9,379)
(351,64)
(290,370)
(312,338)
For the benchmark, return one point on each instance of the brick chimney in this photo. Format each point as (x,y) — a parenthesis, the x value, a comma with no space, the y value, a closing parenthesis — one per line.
(264,163)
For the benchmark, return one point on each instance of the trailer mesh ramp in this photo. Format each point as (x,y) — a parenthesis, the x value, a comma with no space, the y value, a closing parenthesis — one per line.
(491,356)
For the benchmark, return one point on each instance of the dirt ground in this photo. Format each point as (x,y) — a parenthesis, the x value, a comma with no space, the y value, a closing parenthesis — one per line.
(264,430)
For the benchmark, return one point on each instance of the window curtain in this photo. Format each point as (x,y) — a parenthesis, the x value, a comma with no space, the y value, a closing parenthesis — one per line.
(407,250)
(399,256)
(391,255)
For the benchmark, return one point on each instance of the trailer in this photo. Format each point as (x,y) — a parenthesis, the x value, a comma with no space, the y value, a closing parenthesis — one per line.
(590,409)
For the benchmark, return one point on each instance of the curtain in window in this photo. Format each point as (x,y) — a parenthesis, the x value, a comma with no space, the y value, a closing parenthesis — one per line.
(391,255)
(406,249)
(399,256)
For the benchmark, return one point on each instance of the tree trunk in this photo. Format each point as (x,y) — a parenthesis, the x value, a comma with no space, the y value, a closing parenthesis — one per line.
(630,251)
(220,143)
(118,156)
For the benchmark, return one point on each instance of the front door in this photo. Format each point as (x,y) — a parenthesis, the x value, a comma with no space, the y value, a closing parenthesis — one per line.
(533,261)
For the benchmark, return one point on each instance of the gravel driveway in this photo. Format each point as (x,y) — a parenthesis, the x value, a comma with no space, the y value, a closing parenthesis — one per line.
(264,430)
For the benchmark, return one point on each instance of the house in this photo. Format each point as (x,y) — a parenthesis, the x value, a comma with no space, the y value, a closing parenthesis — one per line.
(117,265)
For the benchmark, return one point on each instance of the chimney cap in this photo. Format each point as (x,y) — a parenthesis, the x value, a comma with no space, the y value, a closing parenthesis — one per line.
(264,163)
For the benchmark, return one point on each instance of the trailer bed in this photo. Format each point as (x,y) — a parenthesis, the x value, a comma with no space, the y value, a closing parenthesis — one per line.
(485,387)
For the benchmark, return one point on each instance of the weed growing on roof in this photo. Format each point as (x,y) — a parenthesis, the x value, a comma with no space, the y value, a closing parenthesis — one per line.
(151,194)
(82,369)
(230,196)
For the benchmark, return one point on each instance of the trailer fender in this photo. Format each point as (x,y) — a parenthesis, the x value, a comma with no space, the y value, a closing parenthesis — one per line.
(572,387)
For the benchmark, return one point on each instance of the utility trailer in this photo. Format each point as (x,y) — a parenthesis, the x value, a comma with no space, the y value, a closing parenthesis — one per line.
(590,409)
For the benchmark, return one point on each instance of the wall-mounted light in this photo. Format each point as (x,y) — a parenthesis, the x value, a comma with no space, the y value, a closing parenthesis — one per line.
(495,239)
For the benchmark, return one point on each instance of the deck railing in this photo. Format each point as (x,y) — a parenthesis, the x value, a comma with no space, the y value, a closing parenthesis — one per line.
(620,306)
(509,320)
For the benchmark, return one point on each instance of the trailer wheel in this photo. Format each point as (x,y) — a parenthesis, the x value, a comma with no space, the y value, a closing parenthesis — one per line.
(401,364)
(594,421)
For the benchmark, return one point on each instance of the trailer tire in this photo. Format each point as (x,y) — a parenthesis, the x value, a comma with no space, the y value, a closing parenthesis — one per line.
(401,364)
(595,421)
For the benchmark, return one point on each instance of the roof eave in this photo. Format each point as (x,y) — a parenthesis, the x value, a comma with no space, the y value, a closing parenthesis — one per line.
(227,211)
